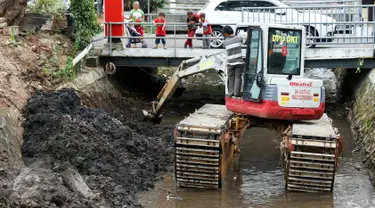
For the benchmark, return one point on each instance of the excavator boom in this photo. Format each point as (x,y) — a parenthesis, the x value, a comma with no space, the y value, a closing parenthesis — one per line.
(187,68)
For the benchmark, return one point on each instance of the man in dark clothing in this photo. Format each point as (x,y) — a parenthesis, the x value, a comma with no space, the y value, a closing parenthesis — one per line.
(192,20)
(235,64)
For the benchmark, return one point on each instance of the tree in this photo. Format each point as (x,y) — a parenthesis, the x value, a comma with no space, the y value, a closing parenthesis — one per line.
(86,22)
(13,10)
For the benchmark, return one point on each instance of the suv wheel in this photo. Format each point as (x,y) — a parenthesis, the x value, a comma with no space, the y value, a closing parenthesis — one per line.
(218,37)
(310,34)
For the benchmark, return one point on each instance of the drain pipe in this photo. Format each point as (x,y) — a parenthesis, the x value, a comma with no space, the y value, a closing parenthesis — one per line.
(82,54)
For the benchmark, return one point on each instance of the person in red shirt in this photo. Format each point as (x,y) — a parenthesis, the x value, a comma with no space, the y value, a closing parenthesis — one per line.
(192,20)
(160,24)
(207,30)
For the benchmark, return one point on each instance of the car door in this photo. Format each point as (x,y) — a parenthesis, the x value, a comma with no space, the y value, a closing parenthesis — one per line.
(220,14)
(216,16)
(235,10)
(254,66)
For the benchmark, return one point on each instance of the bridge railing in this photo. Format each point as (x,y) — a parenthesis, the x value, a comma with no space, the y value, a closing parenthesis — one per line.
(338,24)
(321,2)
(323,27)
(174,37)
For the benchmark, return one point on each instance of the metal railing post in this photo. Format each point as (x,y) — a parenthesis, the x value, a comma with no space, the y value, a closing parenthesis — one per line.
(242,17)
(373,30)
(110,38)
(175,46)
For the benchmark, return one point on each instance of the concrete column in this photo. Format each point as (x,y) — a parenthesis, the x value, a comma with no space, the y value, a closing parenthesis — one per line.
(99,8)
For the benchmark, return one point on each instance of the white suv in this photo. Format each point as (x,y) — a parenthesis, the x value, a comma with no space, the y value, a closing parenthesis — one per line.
(219,12)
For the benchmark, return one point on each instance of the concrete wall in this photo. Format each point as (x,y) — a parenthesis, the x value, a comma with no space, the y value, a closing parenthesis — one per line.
(11,138)
(362,116)
(94,87)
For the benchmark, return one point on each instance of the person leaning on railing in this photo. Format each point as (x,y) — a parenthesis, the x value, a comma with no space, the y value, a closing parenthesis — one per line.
(192,20)
(137,15)
(207,30)
(161,32)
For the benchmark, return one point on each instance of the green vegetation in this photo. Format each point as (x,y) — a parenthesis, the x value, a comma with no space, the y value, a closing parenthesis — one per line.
(49,7)
(63,73)
(66,72)
(156,4)
(87,25)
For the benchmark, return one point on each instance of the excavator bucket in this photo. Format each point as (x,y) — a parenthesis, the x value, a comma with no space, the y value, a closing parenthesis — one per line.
(144,115)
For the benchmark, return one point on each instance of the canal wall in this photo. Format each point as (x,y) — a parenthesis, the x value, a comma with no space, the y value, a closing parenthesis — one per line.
(362,118)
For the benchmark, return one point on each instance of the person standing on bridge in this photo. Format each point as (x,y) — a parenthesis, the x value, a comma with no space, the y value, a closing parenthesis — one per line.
(207,30)
(161,31)
(192,20)
(137,16)
(235,64)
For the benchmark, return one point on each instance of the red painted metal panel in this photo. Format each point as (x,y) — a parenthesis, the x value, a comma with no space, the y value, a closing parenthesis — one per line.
(114,12)
(272,110)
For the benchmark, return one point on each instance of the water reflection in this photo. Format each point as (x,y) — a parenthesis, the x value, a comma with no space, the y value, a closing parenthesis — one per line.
(256,180)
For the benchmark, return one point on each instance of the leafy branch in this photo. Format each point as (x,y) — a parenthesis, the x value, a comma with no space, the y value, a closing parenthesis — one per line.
(87,25)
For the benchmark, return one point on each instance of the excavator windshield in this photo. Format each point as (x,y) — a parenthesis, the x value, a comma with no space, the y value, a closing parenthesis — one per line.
(284,51)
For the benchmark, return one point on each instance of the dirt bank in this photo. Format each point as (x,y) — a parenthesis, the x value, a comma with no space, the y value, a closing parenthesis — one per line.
(114,160)
(73,156)
(23,63)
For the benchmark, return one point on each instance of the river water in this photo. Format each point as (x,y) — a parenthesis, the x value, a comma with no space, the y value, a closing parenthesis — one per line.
(256,180)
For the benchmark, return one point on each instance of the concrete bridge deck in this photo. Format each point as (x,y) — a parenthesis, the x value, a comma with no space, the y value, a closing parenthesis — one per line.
(323,56)
(315,57)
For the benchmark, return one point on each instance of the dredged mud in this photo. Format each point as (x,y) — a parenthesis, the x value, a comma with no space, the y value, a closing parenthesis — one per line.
(116,159)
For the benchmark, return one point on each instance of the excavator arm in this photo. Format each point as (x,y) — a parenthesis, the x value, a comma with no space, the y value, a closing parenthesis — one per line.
(187,68)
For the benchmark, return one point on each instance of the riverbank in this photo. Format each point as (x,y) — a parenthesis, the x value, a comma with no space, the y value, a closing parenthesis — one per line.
(362,117)
(71,148)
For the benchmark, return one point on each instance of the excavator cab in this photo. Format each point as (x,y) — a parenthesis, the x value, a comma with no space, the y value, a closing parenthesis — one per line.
(273,82)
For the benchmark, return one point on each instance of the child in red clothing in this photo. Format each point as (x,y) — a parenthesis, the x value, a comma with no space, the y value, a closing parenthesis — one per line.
(207,30)
(192,20)
(160,23)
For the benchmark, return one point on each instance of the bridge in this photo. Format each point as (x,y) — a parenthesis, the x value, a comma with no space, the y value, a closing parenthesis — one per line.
(351,44)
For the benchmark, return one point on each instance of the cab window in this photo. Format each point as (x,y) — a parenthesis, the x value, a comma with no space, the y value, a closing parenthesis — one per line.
(284,51)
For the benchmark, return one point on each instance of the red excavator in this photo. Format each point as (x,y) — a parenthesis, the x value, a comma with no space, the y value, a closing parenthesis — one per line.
(275,95)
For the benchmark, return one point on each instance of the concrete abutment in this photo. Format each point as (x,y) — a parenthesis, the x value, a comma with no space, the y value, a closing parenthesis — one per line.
(362,117)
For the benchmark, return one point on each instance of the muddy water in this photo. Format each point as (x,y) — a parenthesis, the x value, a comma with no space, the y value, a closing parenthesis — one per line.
(255,180)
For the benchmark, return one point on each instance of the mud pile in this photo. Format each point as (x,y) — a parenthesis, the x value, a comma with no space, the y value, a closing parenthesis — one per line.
(114,160)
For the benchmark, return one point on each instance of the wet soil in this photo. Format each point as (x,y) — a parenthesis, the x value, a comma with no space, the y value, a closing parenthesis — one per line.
(115,159)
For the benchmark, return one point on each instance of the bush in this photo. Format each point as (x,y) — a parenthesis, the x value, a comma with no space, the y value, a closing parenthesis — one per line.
(86,23)
(49,7)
